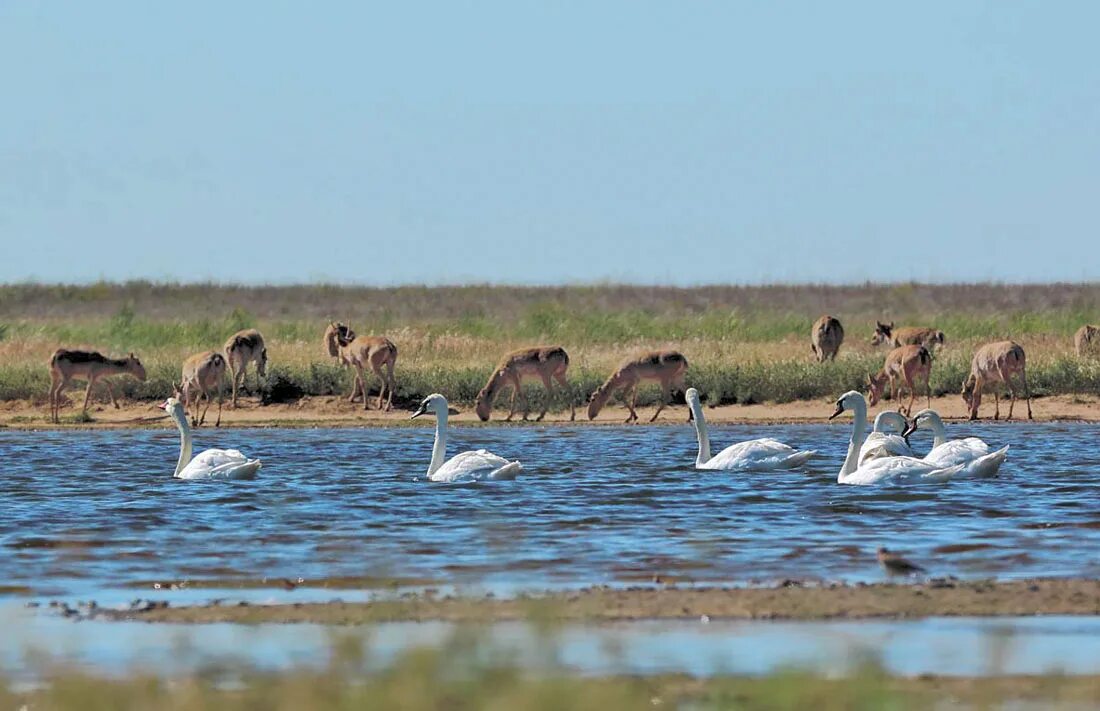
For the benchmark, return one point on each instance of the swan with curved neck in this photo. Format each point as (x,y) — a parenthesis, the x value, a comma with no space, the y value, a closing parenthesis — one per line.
(970,451)
(210,464)
(886,438)
(758,454)
(476,465)
(874,471)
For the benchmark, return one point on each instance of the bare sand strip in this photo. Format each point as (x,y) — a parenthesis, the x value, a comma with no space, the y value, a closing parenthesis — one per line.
(336,412)
(789,601)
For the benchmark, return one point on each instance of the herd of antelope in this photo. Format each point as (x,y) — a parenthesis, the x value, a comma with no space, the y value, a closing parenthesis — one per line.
(907,366)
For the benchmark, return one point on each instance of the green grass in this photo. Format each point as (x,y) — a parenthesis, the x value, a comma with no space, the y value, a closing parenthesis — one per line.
(745,344)
(466,674)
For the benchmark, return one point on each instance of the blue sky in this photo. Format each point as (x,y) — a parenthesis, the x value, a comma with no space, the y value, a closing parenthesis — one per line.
(549,142)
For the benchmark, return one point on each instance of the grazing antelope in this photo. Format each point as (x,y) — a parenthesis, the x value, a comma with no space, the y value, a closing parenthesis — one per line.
(544,362)
(242,348)
(1087,340)
(993,363)
(909,364)
(826,337)
(65,365)
(666,367)
(909,336)
(203,372)
(377,352)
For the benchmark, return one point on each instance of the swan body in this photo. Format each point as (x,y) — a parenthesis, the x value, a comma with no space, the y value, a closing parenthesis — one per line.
(883,469)
(211,463)
(477,465)
(755,454)
(881,443)
(972,452)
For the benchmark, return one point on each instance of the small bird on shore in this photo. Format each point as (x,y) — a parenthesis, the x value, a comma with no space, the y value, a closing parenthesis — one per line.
(894,564)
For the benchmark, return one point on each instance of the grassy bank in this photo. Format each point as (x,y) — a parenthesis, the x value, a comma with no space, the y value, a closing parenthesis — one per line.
(745,345)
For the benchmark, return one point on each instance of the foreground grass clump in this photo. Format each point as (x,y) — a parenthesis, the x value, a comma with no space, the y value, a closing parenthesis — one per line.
(465,675)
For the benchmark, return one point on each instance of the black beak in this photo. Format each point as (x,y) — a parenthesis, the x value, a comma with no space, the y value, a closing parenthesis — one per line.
(908,431)
(838,411)
(418,413)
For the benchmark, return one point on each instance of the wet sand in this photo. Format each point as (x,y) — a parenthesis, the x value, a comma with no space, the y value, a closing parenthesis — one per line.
(788,601)
(337,412)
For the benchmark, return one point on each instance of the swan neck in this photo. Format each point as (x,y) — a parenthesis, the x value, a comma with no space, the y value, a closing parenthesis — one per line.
(701,433)
(185,444)
(939,434)
(439,449)
(859,426)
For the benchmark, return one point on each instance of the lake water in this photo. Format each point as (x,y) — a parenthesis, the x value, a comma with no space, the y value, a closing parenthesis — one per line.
(86,512)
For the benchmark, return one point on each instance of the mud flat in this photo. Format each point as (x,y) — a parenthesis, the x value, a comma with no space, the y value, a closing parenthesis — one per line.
(791,600)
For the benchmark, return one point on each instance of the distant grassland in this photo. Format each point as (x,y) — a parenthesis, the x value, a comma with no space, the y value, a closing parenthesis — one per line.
(745,344)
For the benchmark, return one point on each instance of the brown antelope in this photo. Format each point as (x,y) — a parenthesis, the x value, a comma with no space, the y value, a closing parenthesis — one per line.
(242,348)
(202,372)
(66,365)
(377,352)
(909,364)
(826,337)
(543,362)
(910,336)
(1086,340)
(996,363)
(666,367)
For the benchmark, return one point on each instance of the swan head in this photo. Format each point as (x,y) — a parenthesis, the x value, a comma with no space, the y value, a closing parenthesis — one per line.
(922,420)
(435,403)
(850,400)
(174,408)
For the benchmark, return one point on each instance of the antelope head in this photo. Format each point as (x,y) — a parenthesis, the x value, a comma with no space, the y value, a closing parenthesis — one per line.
(876,385)
(483,405)
(883,332)
(135,368)
(968,390)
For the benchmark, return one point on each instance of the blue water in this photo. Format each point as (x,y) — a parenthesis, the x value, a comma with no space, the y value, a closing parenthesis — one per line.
(84,512)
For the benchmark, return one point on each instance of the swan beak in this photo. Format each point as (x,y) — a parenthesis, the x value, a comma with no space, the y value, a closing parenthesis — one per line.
(418,413)
(908,431)
(836,413)
(163,406)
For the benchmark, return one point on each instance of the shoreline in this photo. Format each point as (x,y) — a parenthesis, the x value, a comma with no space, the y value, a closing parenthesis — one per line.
(790,600)
(335,412)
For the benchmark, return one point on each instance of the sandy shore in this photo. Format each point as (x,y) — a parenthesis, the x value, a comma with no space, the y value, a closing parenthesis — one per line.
(789,601)
(336,412)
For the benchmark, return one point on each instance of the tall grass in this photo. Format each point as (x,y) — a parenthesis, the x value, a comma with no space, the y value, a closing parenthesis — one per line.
(745,345)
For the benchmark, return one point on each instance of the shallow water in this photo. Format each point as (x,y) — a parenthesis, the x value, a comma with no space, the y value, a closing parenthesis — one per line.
(948,646)
(84,512)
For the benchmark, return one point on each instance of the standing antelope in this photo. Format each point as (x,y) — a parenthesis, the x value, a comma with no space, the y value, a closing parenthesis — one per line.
(1086,340)
(202,372)
(910,336)
(993,363)
(544,362)
(666,367)
(826,337)
(909,364)
(377,352)
(242,348)
(65,365)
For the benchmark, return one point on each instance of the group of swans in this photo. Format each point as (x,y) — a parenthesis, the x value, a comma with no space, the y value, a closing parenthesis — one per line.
(871,459)
(878,457)
(887,457)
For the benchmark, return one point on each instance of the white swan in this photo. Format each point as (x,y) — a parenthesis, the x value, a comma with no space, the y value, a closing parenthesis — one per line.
(874,471)
(758,454)
(881,443)
(211,464)
(971,451)
(467,466)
